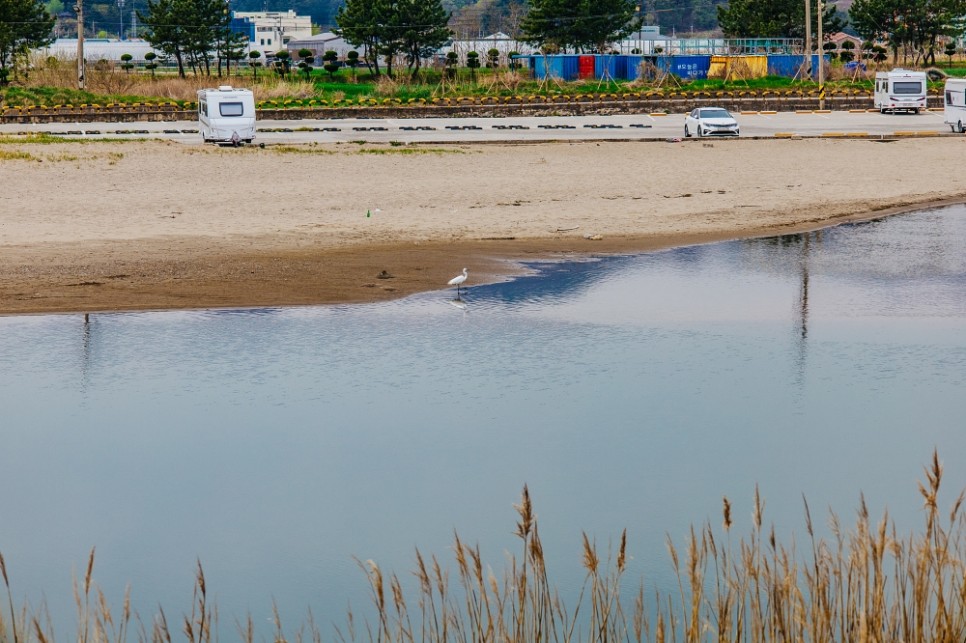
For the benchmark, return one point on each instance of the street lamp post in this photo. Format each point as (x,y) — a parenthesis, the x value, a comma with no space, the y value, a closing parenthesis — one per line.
(120,17)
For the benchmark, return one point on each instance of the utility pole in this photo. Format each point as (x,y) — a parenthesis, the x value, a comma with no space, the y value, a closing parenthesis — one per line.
(79,8)
(808,38)
(120,17)
(821,57)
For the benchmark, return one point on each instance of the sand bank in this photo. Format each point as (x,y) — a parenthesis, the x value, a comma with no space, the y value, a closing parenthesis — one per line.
(155,225)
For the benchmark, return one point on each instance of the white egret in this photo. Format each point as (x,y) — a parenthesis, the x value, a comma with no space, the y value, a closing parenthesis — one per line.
(458,281)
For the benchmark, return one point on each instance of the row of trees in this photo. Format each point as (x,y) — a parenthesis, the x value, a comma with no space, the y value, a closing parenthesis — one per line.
(188,31)
(914,28)
(385,29)
(773,18)
(416,29)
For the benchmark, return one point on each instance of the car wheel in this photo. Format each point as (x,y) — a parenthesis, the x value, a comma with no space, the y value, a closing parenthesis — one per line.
(700,132)
(687,134)
(959,127)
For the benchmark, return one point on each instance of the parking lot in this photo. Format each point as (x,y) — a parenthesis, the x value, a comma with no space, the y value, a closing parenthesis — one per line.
(644,126)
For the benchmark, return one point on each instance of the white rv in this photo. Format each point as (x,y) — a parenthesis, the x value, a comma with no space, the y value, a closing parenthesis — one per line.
(226,115)
(900,90)
(954,104)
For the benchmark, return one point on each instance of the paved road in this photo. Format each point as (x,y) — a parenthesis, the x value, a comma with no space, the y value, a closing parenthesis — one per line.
(454,130)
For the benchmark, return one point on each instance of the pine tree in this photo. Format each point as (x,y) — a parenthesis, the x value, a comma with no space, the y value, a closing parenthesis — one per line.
(423,30)
(24,25)
(771,19)
(583,25)
(188,30)
(163,29)
(362,23)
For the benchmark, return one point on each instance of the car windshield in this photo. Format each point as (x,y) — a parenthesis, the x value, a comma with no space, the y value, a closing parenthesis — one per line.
(714,113)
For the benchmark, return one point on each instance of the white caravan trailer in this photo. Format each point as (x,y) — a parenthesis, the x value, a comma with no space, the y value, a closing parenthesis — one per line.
(226,115)
(954,104)
(900,89)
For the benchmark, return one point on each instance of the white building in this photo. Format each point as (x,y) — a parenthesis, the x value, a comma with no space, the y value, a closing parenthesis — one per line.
(98,49)
(499,41)
(319,44)
(270,31)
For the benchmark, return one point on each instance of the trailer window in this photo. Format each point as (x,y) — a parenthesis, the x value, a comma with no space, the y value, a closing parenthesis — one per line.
(907,87)
(231,109)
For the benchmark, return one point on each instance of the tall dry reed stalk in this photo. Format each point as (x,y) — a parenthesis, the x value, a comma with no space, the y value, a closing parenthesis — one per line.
(198,627)
(14,626)
(864,584)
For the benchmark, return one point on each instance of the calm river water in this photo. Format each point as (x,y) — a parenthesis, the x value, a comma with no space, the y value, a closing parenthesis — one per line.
(275,445)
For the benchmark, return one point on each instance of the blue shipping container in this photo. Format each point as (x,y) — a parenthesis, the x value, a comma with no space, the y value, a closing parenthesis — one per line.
(689,67)
(628,67)
(562,67)
(605,67)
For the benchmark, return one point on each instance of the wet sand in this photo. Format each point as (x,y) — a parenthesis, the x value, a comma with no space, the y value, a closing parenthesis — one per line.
(159,225)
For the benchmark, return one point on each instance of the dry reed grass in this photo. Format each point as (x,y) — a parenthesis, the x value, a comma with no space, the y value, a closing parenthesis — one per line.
(867,584)
(104,77)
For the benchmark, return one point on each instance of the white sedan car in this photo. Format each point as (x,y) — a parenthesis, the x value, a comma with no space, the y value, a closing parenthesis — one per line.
(710,121)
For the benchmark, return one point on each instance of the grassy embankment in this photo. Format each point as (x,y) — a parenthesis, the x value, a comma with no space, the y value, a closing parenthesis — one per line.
(53,83)
(866,583)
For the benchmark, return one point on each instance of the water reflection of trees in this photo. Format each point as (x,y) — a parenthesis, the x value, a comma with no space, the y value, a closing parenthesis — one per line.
(923,245)
(553,281)
(926,242)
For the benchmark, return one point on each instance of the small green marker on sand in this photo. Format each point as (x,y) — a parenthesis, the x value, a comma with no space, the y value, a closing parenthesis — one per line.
(368,213)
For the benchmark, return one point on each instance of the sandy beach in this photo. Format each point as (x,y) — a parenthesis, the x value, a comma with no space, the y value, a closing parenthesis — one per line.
(157,225)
